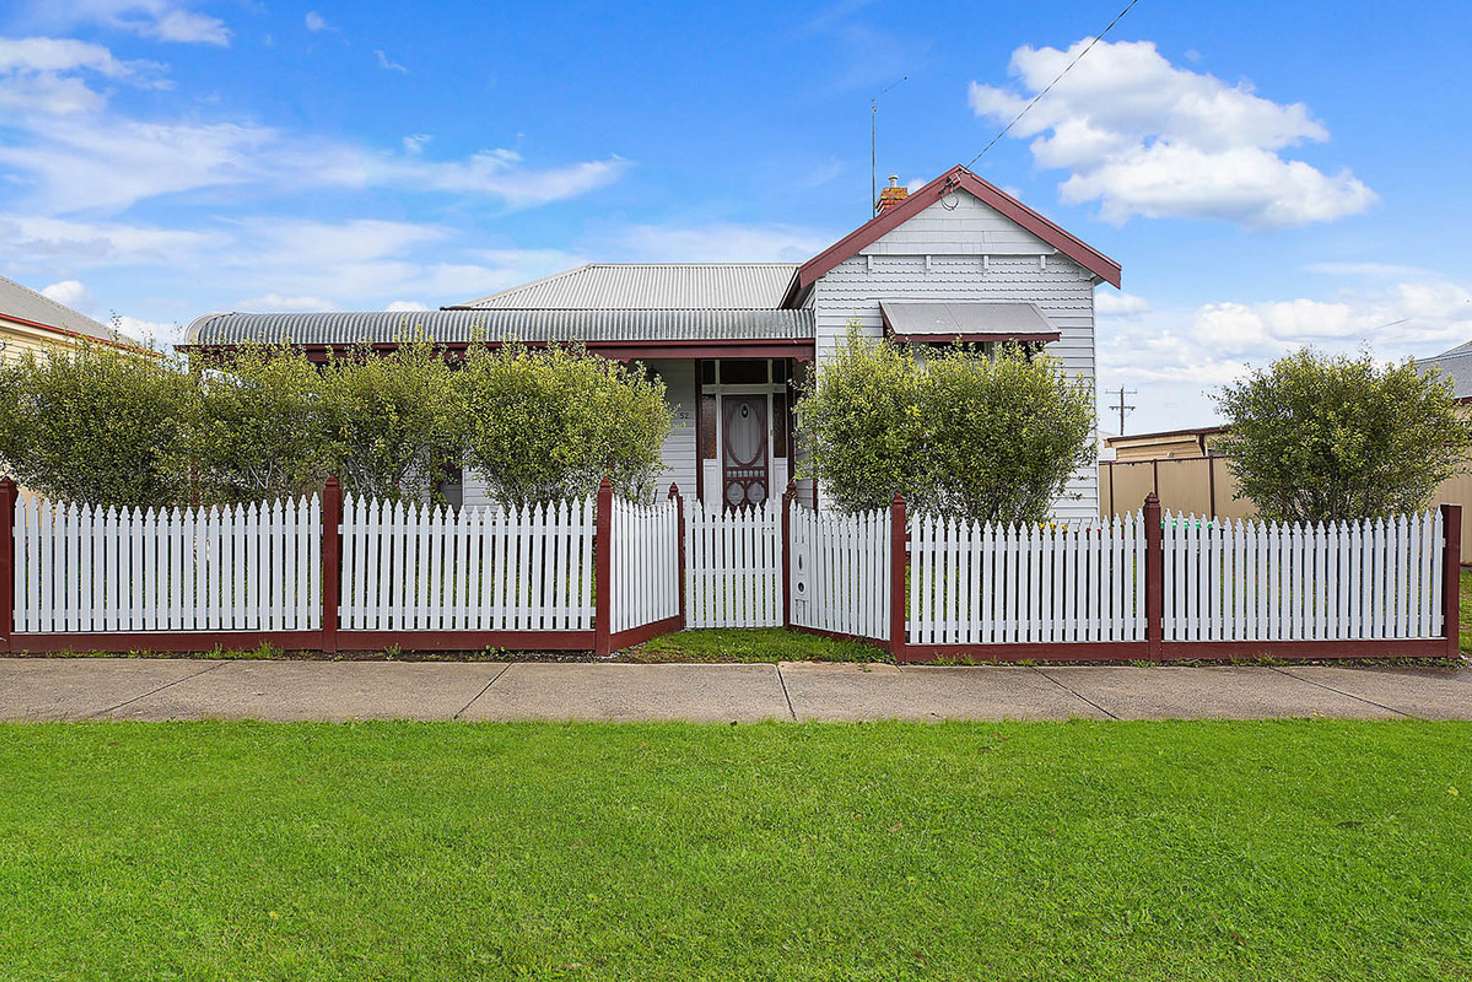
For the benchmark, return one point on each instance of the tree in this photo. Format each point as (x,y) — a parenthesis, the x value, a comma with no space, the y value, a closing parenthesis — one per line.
(983,438)
(395,423)
(1319,438)
(97,425)
(258,428)
(550,423)
(1003,434)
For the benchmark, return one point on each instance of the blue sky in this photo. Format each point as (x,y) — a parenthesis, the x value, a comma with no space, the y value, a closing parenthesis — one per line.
(1268,175)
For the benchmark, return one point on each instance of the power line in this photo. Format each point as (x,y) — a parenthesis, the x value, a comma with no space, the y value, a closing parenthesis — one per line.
(874,146)
(1049,87)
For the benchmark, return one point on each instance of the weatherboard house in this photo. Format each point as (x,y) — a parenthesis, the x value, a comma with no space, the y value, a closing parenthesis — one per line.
(957,259)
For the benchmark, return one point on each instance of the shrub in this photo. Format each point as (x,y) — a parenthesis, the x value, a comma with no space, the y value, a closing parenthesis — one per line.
(979,437)
(97,425)
(394,423)
(551,423)
(1319,438)
(258,428)
(1003,434)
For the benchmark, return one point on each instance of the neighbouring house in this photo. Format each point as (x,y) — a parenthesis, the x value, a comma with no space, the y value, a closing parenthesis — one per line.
(957,259)
(32,322)
(1165,444)
(1456,365)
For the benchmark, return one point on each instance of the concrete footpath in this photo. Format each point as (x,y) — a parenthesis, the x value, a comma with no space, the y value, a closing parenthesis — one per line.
(165,689)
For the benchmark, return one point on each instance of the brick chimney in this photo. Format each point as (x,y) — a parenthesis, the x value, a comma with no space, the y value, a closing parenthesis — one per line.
(892,195)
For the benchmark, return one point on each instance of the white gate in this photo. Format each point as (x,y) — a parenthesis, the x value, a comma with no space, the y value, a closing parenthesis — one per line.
(840,571)
(733,560)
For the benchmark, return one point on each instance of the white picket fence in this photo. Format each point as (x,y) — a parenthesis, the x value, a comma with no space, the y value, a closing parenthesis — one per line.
(645,561)
(409,567)
(81,568)
(733,566)
(840,571)
(1229,580)
(1011,584)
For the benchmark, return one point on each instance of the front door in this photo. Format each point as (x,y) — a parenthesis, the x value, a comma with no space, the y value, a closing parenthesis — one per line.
(744,449)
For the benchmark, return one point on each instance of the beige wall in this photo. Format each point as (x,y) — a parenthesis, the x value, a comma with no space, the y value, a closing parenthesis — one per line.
(1185,485)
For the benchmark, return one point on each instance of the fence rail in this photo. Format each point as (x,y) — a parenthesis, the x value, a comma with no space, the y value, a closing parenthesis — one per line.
(606,573)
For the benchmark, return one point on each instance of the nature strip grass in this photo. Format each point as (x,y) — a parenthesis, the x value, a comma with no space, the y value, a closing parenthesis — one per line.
(1286,849)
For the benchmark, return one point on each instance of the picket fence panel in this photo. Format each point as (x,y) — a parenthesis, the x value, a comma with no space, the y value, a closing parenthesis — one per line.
(86,569)
(733,566)
(1236,580)
(411,567)
(840,571)
(645,560)
(987,583)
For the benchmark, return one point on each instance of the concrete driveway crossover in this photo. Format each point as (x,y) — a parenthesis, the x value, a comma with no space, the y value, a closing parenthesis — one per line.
(164,689)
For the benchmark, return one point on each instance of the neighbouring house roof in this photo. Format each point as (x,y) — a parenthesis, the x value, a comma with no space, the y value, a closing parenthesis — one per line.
(649,286)
(1009,207)
(974,322)
(1455,364)
(24,304)
(496,326)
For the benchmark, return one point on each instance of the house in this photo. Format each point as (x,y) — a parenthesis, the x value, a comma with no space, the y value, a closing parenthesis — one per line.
(1165,444)
(31,322)
(957,259)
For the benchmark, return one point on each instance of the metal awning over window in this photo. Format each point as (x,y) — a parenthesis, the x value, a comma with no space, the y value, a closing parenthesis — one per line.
(975,323)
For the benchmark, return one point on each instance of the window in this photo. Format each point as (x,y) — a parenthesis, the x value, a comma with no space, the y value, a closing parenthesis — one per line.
(779,425)
(708,410)
(707,373)
(744,372)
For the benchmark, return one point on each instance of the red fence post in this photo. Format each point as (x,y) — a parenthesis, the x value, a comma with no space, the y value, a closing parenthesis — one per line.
(603,575)
(1451,578)
(787,498)
(331,560)
(1154,578)
(898,563)
(680,530)
(7,563)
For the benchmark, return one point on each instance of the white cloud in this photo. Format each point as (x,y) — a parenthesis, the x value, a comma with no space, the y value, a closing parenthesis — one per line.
(47,242)
(162,20)
(398,306)
(75,155)
(1141,136)
(1365,269)
(723,242)
(315,22)
(414,143)
(275,302)
(68,293)
(1119,304)
(158,334)
(387,63)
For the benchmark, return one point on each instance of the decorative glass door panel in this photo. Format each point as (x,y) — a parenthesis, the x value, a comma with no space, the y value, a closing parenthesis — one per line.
(744,461)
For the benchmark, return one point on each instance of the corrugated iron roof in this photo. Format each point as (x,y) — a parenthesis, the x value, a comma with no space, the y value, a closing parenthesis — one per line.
(976,317)
(649,286)
(1456,365)
(463,326)
(25,303)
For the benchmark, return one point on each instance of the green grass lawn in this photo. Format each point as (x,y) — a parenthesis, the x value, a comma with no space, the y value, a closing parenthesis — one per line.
(752,644)
(1105,850)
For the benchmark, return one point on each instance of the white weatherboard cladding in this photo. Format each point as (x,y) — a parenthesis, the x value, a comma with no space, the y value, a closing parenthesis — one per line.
(962,267)
(972,227)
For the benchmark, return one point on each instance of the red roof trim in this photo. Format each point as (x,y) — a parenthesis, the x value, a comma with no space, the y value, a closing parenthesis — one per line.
(957,177)
(983,337)
(68,332)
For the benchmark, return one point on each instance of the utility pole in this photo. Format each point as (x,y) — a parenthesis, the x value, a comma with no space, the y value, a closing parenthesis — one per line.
(1122,407)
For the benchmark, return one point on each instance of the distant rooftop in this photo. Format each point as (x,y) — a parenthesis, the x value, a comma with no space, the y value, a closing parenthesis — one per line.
(23,302)
(1455,364)
(649,286)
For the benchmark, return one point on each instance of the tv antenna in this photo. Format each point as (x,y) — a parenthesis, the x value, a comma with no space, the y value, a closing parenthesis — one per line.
(874,147)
